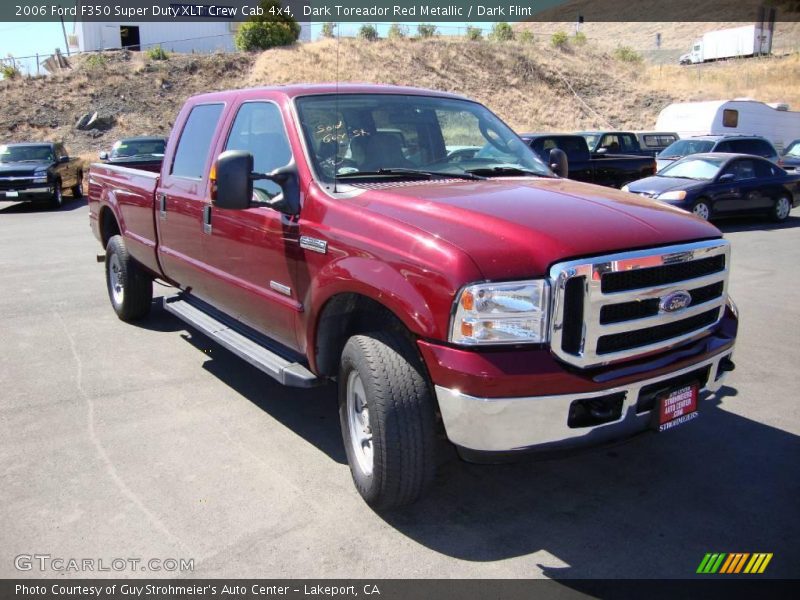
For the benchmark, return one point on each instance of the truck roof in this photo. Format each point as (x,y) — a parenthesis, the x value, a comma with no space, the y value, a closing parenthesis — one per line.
(28,144)
(312,89)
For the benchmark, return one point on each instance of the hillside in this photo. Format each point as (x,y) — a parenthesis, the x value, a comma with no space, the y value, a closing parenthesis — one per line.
(531,85)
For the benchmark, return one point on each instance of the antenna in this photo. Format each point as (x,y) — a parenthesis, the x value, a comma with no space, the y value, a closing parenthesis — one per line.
(336,104)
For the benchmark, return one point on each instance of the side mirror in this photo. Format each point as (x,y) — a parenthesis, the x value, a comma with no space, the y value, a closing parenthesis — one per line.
(559,163)
(63,159)
(234,184)
(103,156)
(727,178)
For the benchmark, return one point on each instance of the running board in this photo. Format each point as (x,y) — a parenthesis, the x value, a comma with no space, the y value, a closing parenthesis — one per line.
(248,345)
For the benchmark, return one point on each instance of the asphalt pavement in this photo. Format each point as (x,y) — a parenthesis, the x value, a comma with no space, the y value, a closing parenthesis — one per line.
(148,441)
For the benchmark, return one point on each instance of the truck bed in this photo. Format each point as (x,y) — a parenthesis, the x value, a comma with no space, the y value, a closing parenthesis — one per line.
(131,194)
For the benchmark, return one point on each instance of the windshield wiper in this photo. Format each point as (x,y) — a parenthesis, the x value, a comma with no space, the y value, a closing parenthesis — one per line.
(412,173)
(500,171)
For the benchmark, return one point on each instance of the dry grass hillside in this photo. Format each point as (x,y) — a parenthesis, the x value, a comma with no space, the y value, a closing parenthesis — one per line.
(531,85)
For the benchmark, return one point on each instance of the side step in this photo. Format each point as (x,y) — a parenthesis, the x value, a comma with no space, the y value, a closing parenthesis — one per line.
(259,351)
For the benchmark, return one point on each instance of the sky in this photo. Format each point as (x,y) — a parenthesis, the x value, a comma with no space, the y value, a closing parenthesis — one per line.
(26,39)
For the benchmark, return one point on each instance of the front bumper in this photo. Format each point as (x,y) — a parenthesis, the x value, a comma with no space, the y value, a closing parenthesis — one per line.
(503,425)
(31,193)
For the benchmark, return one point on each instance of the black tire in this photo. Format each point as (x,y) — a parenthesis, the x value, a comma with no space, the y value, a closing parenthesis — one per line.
(781,209)
(698,209)
(400,414)
(77,189)
(130,289)
(57,199)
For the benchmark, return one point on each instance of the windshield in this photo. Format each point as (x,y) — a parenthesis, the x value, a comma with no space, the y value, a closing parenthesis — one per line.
(129,148)
(793,150)
(693,168)
(686,147)
(361,135)
(9,154)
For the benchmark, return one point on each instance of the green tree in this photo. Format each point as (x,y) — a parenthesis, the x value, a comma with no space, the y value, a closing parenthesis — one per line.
(426,30)
(559,40)
(272,28)
(328,29)
(579,39)
(474,34)
(502,32)
(525,36)
(397,31)
(368,32)
(627,54)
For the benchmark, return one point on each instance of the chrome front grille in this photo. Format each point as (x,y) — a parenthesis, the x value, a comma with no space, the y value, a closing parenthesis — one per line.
(616,307)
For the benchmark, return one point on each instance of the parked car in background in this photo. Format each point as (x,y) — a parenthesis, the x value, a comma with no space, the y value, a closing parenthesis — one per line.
(720,184)
(774,121)
(653,142)
(484,298)
(791,157)
(736,144)
(141,152)
(612,170)
(36,172)
(613,142)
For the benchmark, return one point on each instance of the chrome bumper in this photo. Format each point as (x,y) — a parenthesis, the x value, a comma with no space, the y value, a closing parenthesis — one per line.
(540,422)
(25,192)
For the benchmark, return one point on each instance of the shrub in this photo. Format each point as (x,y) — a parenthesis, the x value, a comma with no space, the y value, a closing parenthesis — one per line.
(9,72)
(426,30)
(327,29)
(474,34)
(270,29)
(502,32)
(627,54)
(96,61)
(157,53)
(559,40)
(525,36)
(579,38)
(397,31)
(368,32)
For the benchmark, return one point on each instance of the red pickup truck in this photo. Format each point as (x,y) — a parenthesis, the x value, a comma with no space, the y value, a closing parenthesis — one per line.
(324,233)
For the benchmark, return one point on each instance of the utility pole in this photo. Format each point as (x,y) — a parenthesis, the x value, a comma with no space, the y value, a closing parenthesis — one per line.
(64,30)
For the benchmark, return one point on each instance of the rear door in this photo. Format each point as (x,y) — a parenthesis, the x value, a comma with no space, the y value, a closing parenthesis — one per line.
(254,252)
(182,197)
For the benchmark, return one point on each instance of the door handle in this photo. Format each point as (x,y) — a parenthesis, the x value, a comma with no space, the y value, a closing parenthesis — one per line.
(207,218)
(162,205)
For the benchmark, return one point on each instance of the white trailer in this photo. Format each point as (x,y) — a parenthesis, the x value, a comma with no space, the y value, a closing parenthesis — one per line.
(774,122)
(749,40)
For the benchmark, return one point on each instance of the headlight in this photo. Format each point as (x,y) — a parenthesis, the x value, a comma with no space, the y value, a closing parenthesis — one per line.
(40,177)
(501,313)
(674,195)
(625,188)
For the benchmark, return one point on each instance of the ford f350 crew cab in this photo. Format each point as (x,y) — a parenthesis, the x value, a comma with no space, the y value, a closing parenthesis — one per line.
(321,233)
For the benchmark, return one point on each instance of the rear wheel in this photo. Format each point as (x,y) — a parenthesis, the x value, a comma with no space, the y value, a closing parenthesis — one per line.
(386,413)
(130,289)
(77,189)
(781,210)
(702,209)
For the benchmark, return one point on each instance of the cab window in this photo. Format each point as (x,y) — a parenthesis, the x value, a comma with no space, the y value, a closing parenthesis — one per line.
(195,142)
(258,129)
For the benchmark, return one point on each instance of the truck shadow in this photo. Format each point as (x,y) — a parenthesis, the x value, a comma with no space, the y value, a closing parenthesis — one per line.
(69,205)
(755,223)
(651,507)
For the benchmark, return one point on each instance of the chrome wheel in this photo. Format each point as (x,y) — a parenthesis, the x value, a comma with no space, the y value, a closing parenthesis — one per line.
(701,210)
(358,423)
(782,209)
(115,280)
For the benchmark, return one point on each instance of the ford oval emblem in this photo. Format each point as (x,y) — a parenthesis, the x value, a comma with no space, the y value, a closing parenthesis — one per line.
(675,301)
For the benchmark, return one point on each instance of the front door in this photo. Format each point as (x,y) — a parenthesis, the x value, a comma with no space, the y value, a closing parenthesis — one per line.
(254,251)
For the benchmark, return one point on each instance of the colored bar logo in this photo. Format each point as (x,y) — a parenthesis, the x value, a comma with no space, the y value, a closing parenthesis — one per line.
(733,563)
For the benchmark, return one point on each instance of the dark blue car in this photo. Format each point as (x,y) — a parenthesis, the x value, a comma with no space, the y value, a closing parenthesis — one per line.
(719,184)
(791,157)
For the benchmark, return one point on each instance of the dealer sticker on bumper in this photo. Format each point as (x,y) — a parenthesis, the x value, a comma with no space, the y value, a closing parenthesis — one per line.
(678,407)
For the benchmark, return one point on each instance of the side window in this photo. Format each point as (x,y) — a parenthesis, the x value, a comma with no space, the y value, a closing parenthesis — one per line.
(628,143)
(258,129)
(60,151)
(195,142)
(743,169)
(724,147)
(765,169)
(765,150)
(730,118)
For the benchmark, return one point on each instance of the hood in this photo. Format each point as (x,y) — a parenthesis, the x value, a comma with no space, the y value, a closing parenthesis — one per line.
(519,227)
(790,162)
(652,186)
(22,168)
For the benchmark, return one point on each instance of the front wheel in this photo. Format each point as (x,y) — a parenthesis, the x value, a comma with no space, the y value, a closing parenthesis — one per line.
(57,199)
(702,209)
(130,289)
(781,210)
(386,413)
(77,189)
